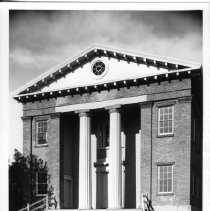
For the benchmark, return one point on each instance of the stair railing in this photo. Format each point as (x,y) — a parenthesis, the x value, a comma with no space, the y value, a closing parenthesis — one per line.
(147,203)
(37,206)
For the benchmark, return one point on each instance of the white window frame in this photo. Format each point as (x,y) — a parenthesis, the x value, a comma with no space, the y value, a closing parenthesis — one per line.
(172,185)
(37,141)
(37,184)
(169,133)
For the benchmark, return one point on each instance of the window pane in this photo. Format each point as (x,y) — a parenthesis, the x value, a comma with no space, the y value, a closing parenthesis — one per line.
(161,175)
(165,123)
(41,183)
(170,185)
(42,188)
(165,178)
(41,132)
(166,120)
(161,189)
(170,169)
(165,130)
(165,117)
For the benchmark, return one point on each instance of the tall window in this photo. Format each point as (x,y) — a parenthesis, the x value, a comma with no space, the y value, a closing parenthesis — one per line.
(165,179)
(41,183)
(41,132)
(166,120)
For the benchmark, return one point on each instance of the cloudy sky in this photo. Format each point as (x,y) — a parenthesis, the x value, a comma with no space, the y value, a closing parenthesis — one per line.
(41,39)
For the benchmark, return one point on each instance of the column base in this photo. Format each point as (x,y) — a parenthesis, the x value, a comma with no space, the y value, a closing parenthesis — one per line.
(114,208)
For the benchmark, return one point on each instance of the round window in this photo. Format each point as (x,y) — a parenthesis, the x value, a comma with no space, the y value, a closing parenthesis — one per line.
(98,68)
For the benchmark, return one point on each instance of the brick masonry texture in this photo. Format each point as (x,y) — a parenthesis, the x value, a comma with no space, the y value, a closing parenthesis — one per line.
(49,153)
(175,149)
(26,135)
(146,130)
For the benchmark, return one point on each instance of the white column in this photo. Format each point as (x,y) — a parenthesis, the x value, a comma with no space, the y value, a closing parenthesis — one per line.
(84,162)
(138,170)
(123,146)
(115,177)
(93,169)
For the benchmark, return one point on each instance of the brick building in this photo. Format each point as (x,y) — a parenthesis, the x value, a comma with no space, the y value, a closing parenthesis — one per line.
(113,125)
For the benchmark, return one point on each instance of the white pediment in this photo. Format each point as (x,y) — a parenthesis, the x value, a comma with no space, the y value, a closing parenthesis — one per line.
(117,70)
(76,72)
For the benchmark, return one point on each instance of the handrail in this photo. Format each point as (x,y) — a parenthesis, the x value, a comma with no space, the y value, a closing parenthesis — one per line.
(44,204)
(148,203)
(31,205)
(25,208)
(41,206)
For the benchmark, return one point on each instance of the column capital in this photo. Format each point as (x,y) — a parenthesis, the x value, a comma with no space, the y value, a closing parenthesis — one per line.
(113,108)
(146,104)
(84,112)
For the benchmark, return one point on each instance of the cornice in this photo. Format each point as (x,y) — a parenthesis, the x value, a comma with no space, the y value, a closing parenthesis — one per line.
(186,99)
(26,118)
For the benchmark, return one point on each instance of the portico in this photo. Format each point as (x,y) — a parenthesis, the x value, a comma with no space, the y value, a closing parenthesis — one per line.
(102,156)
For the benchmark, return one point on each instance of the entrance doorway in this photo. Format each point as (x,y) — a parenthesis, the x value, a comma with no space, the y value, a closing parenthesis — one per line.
(68,192)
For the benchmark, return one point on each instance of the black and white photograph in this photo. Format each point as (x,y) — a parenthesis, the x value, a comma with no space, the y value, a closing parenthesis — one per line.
(107,109)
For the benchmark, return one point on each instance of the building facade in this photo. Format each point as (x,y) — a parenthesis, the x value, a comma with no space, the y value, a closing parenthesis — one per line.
(114,125)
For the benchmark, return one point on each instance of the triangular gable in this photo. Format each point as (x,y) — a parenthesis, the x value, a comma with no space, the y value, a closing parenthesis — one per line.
(64,72)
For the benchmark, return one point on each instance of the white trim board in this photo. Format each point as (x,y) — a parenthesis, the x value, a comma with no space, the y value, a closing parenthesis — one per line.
(102,104)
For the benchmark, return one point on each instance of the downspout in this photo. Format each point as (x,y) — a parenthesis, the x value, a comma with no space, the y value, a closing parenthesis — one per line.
(31,190)
(151,154)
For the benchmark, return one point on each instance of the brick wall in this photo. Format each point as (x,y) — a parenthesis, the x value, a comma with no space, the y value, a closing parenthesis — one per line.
(146,132)
(173,149)
(49,153)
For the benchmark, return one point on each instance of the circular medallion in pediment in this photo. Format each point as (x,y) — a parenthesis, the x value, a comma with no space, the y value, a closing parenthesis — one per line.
(99,68)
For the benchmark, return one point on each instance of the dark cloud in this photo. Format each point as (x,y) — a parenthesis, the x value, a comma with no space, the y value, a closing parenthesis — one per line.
(171,23)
